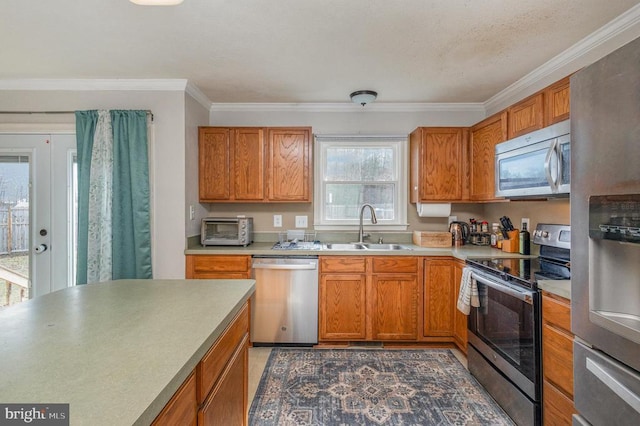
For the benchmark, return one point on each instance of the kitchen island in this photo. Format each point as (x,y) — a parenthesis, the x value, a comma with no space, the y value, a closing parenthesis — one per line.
(115,351)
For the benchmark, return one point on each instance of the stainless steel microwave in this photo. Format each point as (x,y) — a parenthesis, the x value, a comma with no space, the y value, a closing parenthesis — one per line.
(226,231)
(536,164)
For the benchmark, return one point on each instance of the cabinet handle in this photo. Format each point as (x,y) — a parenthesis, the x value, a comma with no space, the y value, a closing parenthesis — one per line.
(618,388)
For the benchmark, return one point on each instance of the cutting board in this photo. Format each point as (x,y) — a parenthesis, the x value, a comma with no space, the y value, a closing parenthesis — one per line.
(432,238)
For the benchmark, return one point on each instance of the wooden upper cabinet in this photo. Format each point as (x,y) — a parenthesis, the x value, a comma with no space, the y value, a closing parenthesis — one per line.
(231,164)
(526,116)
(556,102)
(438,164)
(214,156)
(484,138)
(254,164)
(289,164)
(248,164)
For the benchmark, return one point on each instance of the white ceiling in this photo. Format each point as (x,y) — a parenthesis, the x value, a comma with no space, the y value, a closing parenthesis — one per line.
(295,51)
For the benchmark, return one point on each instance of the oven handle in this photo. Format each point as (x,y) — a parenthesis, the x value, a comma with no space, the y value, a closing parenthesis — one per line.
(525,296)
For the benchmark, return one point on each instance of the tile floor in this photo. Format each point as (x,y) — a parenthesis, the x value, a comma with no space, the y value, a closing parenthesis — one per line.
(258,357)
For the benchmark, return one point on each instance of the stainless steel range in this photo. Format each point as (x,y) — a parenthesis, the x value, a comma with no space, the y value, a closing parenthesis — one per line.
(504,351)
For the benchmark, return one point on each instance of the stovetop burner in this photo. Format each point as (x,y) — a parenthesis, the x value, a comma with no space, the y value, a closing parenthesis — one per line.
(553,263)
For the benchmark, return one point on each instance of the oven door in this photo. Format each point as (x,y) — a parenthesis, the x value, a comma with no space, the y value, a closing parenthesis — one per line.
(506,330)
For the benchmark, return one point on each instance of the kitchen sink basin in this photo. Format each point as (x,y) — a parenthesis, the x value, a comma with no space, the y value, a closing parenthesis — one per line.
(364,246)
(345,246)
(372,246)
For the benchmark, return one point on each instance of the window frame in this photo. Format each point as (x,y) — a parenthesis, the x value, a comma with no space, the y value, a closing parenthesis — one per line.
(400,146)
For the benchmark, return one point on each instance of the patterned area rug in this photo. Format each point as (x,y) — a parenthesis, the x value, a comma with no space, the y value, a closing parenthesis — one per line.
(370,387)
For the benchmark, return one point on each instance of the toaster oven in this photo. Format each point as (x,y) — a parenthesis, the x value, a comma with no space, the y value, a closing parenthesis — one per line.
(226,231)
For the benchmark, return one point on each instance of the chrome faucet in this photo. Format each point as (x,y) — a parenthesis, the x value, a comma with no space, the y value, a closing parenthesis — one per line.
(361,234)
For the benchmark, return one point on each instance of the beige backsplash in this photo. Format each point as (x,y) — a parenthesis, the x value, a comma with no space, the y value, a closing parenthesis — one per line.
(552,211)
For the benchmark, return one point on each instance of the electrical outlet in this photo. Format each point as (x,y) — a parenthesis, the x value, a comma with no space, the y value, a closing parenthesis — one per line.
(301,221)
(277,221)
(525,220)
(192,213)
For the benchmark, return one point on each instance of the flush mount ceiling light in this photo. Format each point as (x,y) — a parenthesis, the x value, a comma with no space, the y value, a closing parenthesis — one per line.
(363,97)
(157,2)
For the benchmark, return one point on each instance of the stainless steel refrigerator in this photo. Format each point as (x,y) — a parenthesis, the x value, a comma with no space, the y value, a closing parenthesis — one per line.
(605,238)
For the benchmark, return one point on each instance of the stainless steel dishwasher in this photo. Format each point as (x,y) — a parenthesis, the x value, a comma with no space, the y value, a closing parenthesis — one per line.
(285,307)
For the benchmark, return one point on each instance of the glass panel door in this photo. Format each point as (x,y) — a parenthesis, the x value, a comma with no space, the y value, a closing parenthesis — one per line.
(36,215)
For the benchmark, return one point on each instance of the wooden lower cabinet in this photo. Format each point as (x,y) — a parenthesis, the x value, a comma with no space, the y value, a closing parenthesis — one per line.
(218,267)
(369,298)
(182,409)
(557,361)
(216,392)
(439,297)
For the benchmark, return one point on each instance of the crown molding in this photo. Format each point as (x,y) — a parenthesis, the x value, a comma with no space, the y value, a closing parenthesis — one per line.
(346,107)
(198,95)
(626,26)
(94,84)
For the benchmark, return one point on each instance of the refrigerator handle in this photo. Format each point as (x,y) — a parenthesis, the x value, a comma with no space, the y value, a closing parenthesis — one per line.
(616,387)
(553,180)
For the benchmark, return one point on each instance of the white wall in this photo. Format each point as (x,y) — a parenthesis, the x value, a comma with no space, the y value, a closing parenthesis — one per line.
(195,115)
(168,157)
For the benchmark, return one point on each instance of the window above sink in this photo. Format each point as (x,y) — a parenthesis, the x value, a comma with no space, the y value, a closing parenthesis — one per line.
(353,170)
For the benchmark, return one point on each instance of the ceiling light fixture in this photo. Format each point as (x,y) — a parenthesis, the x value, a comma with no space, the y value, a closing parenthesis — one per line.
(157,2)
(363,97)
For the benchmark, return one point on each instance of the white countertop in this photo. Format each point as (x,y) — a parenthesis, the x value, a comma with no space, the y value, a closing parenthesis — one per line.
(115,351)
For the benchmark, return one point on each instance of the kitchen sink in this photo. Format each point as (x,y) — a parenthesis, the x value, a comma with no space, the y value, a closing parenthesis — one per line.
(344,246)
(364,246)
(372,246)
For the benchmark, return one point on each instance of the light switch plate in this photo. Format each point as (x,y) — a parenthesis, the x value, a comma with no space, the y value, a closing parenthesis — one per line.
(192,213)
(277,221)
(301,221)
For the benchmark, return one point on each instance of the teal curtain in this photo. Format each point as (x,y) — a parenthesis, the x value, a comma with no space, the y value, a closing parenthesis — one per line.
(131,229)
(129,207)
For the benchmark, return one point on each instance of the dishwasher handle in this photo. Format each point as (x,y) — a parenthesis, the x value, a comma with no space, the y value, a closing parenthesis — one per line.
(287,266)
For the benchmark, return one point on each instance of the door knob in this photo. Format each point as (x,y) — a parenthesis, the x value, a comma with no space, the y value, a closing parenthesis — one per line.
(41,248)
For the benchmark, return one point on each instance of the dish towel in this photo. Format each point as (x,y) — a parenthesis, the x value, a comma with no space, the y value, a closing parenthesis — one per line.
(468,296)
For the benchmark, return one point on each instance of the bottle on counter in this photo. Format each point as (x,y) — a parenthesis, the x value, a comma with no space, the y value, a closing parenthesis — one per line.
(495,230)
(525,246)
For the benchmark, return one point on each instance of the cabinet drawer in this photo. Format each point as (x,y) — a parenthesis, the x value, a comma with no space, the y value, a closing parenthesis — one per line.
(556,312)
(213,363)
(205,264)
(557,358)
(394,264)
(182,409)
(347,264)
(557,408)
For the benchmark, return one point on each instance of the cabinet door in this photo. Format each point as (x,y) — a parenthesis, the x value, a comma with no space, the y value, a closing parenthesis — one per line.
(437,164)
(484,138)
(394,307)
(460,319)
(526,116)
(556,102)
(227,403)
(439,302)
(289,165)
(342,307)
(214,162)
(218,267)
(248,164)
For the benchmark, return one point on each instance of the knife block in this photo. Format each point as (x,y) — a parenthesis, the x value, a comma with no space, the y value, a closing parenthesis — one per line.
(512,245)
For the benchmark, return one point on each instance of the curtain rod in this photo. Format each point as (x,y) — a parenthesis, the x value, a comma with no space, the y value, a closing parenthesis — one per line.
(149,112)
